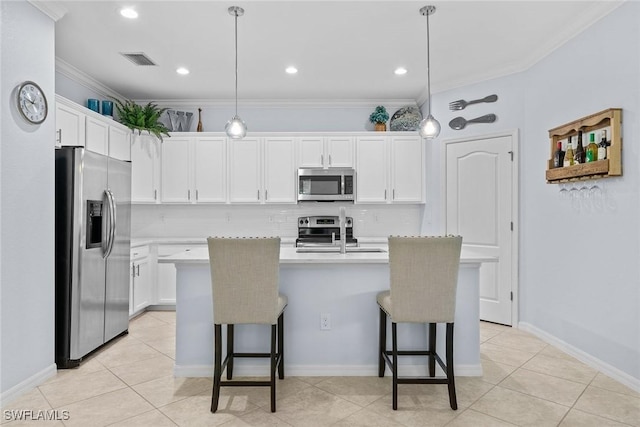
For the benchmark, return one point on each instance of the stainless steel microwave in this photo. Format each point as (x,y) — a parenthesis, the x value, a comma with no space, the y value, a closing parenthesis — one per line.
(326,185)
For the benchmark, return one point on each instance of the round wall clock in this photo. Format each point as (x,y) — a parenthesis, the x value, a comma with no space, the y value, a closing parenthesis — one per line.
(32,103)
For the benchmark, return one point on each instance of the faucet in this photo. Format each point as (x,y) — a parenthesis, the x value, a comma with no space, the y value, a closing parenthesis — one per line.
(343,231)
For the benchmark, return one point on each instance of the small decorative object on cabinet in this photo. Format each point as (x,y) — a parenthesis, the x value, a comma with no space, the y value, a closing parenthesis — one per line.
(179,121)
(137,117)
(406,119)
(607,122)
(379,117)
(199,129)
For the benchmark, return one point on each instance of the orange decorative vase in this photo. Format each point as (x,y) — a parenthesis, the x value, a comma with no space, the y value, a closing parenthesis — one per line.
(380,127)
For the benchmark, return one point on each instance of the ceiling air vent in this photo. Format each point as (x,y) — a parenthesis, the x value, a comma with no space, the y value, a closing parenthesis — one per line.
(138,58)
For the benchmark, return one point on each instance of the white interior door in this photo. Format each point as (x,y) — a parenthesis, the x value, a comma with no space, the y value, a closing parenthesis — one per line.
(480,186)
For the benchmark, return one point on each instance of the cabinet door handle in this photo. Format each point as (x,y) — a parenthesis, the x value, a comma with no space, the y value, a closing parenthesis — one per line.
(138,270)
(59,136)
(266,195)
(189,194)
(329,159)
(196,195)
(133,269)
(394,194)
(155,194)
(322,159)
(385,194)
(258,194)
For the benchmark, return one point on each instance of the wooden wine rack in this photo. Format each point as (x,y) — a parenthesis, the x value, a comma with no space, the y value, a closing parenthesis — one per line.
(611,166)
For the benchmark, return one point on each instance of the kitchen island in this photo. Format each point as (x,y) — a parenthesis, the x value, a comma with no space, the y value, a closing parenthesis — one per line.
(342,286)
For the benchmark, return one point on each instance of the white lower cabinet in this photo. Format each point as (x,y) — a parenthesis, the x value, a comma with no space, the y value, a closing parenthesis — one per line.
(166,274)
(390,169)
(140,285)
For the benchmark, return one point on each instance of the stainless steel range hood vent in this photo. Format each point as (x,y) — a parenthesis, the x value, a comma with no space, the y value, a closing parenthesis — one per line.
(138,58)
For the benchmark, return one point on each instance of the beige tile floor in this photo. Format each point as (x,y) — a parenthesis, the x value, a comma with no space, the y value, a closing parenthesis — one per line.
(526,383)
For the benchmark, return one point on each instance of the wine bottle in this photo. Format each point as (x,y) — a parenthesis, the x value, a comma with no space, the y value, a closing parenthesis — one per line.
(579,155)
(592,149)
(602,147)
(568,156)
(558,156)
(199,128)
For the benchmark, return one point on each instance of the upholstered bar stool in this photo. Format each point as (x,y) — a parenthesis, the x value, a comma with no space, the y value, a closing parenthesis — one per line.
(424,278)
(245,281)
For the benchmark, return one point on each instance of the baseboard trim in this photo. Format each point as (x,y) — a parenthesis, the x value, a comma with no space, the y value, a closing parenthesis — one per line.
(586,358)
(323,370)
(27,385)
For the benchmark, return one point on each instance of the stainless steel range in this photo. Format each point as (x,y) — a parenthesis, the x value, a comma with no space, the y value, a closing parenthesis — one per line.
(323,231)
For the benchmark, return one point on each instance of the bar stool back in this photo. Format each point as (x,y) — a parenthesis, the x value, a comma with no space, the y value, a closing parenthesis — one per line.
(245,281)
(424,278)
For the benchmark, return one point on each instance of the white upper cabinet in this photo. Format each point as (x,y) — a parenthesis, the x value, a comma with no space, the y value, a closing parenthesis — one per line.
(326,152)
(279,170)
(119,143)
(372,169)
(145,165)
(407,169)
(70,124)
(175,170)
(245,171)
(79,126)
(97,136)
(210,170)
(339,152)
(193,170)
(390,169)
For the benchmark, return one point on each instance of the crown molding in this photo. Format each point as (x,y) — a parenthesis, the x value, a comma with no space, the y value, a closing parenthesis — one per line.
(84,79)
(53,10)
(282,103)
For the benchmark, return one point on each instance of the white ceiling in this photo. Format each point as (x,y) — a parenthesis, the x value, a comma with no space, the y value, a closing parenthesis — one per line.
(344,50)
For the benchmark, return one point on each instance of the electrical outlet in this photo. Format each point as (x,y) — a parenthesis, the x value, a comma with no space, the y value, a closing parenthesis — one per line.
(325,321)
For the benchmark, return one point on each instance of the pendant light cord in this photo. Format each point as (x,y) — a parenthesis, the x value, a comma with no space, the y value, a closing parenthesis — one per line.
(428,68)
(236,34)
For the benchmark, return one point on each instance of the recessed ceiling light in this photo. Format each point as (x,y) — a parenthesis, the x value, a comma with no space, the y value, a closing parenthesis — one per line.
(400,71)
(127,12)
(291,70)
(182,71)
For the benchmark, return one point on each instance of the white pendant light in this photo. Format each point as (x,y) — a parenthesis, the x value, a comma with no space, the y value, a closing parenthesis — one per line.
(236,128)
(429,127)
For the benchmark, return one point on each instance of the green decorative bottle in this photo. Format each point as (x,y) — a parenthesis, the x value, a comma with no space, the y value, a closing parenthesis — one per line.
(592,148)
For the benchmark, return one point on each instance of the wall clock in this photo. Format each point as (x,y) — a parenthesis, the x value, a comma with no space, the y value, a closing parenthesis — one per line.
(32,103)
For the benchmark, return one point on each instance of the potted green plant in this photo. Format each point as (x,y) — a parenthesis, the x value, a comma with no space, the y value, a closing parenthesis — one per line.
(142,118)
(379,117)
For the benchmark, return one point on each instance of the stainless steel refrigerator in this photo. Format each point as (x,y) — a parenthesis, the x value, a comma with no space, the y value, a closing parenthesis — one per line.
(92,249)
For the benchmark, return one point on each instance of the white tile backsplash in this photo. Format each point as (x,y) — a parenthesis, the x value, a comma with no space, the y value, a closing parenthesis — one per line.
(267,220)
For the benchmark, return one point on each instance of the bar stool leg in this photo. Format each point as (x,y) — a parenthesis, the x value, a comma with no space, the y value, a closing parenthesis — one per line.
(382,343)
(450,377)
(432,349)
(217,365)
(229,351)
(394,368)
(281,345)
(273,368)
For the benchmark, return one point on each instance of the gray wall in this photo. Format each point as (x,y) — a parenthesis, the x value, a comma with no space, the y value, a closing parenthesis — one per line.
(26,200)
(579,270)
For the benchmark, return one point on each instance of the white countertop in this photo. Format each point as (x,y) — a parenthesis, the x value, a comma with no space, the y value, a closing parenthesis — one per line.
(288,255)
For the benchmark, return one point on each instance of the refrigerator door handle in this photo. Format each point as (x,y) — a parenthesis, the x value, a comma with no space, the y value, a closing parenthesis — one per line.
(111,230)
